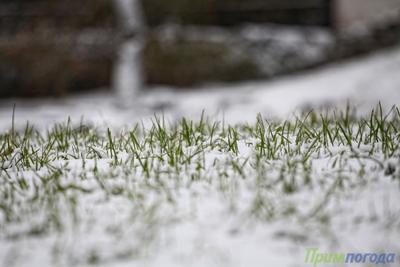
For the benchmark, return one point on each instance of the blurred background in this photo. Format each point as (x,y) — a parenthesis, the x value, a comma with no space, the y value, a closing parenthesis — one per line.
(54,48)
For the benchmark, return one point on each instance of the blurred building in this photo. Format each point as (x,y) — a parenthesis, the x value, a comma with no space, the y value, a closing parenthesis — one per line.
(351,15)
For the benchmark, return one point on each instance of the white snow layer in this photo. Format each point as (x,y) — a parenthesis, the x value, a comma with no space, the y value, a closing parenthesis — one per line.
(208,239)
(363,82)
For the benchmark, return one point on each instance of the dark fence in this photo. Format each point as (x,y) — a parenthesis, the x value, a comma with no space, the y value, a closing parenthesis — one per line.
(31,15)
(233,12)
(52,47)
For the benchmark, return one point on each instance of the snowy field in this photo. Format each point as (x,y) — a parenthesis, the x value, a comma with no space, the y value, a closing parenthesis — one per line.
(245,175)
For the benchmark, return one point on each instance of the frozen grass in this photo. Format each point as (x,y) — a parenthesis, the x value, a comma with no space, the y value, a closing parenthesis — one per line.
(79,195)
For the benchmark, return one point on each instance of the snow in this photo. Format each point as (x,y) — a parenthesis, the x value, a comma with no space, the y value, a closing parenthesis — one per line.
(200,232)
(274,49)
(364,82)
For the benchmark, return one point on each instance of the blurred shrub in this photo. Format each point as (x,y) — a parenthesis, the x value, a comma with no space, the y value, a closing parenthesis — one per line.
(188,63)
(32,67)
(50,47)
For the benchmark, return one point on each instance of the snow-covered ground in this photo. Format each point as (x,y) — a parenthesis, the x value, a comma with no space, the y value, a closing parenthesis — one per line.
(363,82)
(197,229)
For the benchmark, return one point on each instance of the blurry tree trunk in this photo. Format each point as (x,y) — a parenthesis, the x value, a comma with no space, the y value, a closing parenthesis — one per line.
(128,71)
